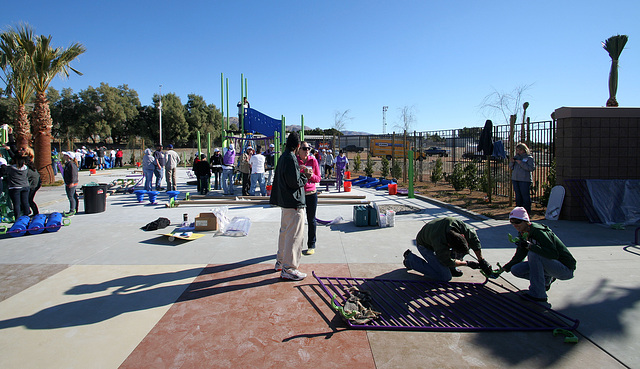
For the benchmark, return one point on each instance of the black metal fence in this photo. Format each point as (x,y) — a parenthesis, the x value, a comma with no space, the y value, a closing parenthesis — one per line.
(461,147)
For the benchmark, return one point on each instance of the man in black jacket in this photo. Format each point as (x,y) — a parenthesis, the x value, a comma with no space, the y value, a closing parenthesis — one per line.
(288,193)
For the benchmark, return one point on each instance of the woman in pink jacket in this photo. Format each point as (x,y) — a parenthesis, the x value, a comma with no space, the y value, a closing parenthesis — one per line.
(310,168)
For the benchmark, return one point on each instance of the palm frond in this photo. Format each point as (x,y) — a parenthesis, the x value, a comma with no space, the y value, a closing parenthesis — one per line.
(614,45)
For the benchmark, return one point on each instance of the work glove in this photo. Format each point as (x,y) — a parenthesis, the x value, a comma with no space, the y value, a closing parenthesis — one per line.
(486,267)
(473,264)
(524,244)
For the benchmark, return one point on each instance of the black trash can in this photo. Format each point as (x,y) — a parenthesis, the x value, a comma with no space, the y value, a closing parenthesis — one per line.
(95,198)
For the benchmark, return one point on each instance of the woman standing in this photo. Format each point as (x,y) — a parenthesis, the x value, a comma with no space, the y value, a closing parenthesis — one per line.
(310,168)
(522,165)
(18,184)
(34,181)
(70,175)
(148,168)
(216,168)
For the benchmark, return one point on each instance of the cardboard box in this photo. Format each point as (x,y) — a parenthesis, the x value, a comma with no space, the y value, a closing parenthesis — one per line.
(206,222)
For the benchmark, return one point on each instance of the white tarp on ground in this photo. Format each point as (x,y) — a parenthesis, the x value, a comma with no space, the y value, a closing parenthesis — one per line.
(616,201)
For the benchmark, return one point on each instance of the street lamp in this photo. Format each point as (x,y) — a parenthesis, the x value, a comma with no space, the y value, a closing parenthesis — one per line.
(384,119)
(160,106)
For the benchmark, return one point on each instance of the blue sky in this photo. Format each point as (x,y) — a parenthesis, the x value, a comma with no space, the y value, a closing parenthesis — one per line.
(313,58)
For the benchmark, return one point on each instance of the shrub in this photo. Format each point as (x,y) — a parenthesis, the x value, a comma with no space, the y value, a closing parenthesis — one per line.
(357,163)
(396,170)
(368,169)
(456,178)
(437,174)
(471,179)
(384,163)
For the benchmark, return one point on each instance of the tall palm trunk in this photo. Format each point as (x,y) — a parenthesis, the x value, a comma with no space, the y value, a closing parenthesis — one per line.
(22,131)
(42,124)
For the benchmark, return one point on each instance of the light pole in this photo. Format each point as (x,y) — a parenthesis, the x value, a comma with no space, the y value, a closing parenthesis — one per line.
(384,119)
(160,107)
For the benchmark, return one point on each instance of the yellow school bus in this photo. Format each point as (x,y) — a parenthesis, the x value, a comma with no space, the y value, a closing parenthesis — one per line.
(385,147)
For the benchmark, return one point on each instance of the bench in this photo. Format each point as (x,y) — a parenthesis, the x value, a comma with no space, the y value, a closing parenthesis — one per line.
(327,182)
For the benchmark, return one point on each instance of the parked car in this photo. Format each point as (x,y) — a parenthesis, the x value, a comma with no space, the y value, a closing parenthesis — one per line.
(353,148)
(479,157)
(436,151)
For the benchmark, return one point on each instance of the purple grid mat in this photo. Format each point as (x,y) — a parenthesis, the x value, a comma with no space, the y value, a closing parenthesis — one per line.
(446,306)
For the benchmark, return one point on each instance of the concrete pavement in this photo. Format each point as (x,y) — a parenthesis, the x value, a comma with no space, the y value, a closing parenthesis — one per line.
(102,293)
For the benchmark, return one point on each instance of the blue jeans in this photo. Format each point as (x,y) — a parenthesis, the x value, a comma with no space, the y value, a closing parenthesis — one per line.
(72,195)
(227,181)
(259,179)
(312,205)
(158,172)
(429,266)
(539,270)
(523,197)
(148,179)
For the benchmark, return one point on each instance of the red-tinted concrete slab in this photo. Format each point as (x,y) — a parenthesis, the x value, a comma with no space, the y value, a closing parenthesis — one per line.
(15,278)
(245,316)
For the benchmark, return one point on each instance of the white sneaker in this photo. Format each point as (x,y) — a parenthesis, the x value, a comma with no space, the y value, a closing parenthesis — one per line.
(278,267)
(293,274)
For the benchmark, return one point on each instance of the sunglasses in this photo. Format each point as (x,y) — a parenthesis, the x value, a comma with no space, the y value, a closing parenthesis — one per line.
(305,148)
(516,221)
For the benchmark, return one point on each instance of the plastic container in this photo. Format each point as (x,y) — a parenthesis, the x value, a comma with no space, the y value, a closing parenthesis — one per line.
(347,186)
(54,222)
(361,215)
(19,228)
(269,190)
(37,224)
(393,188)
(140,194)
(95,198)
(92,171)
(347,175)
(153,196)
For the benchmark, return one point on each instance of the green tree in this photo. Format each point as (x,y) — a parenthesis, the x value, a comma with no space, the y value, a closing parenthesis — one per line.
(175,128)
(437,174)
(92,123)
(202,117)
(471,180)
(384,164)
(456,178)
(65,113)
(18,72)
(47,63)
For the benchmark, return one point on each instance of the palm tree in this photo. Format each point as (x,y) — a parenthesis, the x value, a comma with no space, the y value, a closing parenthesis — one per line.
(17,69)
(47,63)
(614,46)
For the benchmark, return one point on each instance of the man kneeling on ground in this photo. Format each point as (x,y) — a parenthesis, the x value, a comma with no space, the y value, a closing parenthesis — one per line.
(443,242)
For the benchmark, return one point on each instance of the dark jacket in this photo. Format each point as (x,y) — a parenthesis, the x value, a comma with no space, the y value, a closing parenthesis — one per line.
(288,183)
(17,176)
(546,244)
(70,173)
(433,236)
(216,162)
(202,169)
(34,178)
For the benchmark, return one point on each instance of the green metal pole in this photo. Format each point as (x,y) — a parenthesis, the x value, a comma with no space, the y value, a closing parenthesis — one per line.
(301,129)
(199,146)
(410,192)
(224,124)
(276,143)
(242,104)
(209,154)
(227,85)
(283,136)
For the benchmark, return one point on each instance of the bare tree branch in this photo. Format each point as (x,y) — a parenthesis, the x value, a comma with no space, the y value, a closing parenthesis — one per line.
(504,103)
(340,120)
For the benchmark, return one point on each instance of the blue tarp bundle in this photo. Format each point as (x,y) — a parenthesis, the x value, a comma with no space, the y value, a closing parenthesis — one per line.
(254,121)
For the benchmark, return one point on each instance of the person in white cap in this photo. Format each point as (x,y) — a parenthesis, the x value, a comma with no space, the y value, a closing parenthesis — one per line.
(548,258)
(228,160)
(245,168)
(269,163)
(216,167)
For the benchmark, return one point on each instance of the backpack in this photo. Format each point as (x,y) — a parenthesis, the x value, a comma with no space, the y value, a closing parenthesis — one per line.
(157,224)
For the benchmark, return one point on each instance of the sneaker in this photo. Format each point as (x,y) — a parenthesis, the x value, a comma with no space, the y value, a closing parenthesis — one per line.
(310,251)
(278,267)
(548,286)
(294,275)
(542,301)
(456,272)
